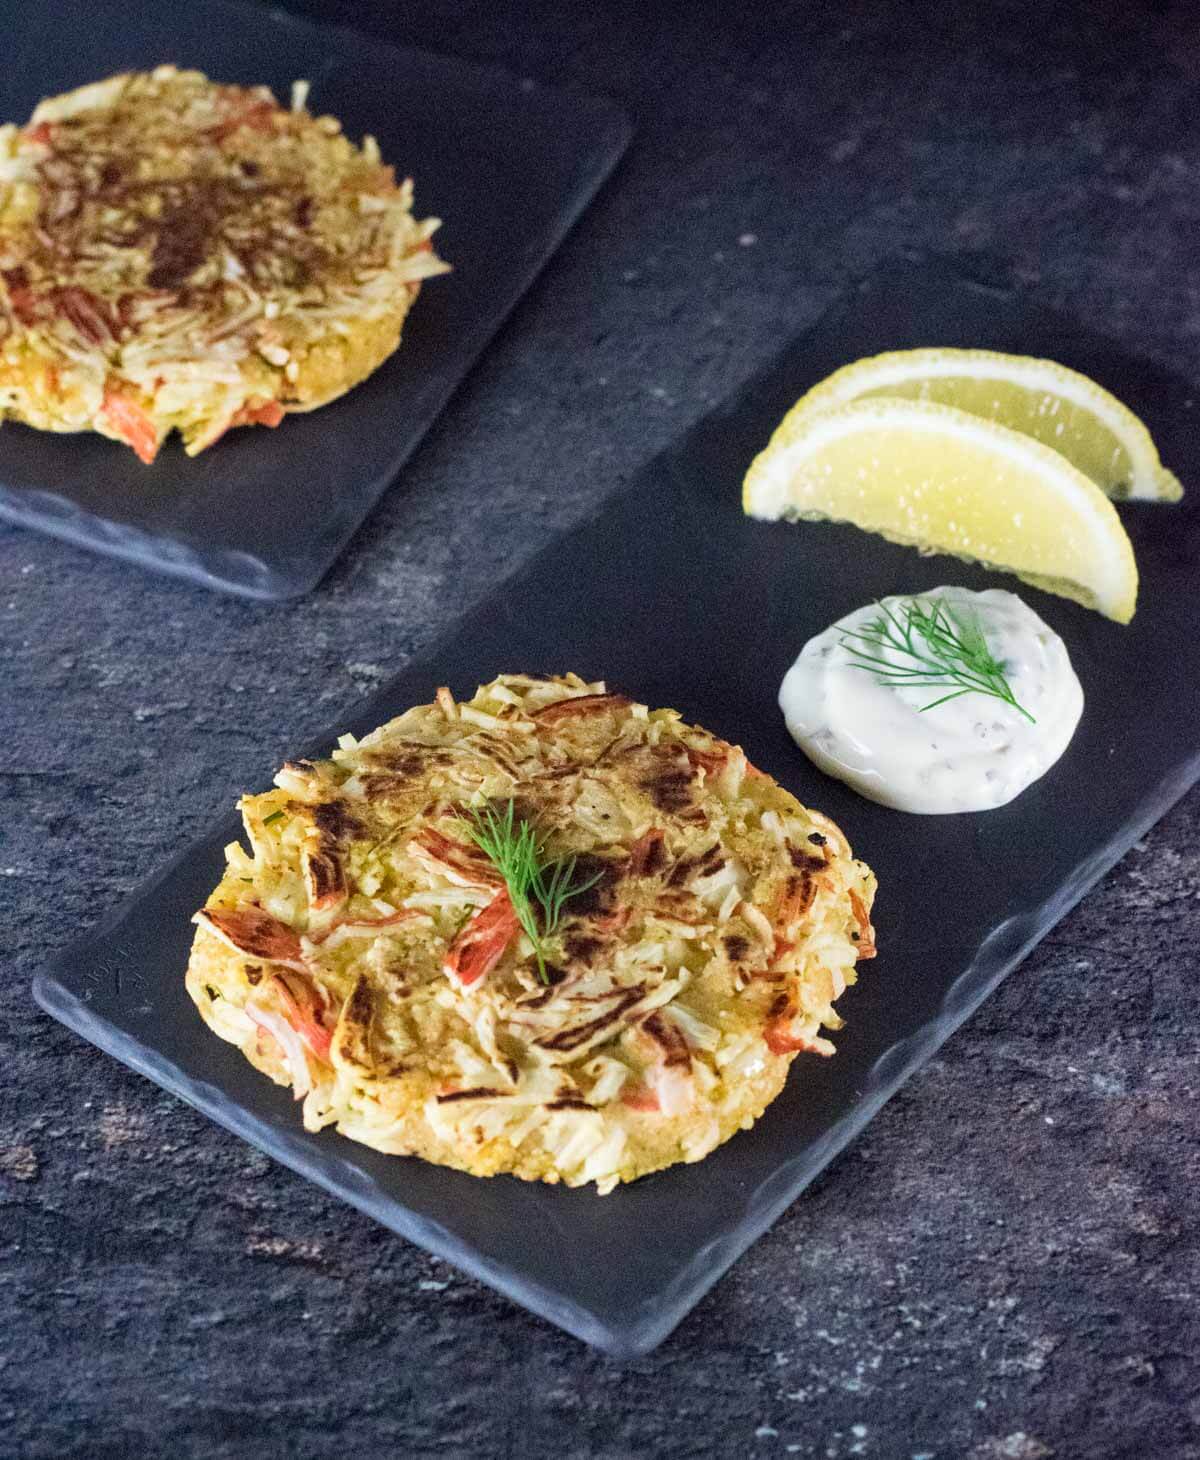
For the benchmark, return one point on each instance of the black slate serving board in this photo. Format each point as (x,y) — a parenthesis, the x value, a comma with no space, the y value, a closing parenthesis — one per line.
(509,167)
(674,597)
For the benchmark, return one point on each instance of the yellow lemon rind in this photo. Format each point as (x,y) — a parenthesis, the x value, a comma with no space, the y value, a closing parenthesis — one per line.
(898,415)
(877,376)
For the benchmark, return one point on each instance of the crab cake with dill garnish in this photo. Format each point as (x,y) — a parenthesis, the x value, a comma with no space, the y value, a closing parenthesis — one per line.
(546,931)
(181,255)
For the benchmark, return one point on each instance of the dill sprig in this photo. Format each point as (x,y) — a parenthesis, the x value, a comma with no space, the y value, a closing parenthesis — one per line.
(538,887)
(947,647)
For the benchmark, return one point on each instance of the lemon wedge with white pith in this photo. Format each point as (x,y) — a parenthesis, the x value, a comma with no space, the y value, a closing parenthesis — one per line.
(1040,398)
(943,480)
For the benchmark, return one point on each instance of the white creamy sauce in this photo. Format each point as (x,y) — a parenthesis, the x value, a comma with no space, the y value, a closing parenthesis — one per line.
(969,754)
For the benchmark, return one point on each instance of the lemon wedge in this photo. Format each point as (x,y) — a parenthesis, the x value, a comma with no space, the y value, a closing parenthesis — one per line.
(942,480)
(1054,405)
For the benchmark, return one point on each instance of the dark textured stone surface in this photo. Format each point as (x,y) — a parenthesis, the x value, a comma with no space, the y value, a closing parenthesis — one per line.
(1006,1266)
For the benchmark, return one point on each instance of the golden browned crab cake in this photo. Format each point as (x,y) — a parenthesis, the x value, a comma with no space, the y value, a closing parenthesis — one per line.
(181,255)
(546,930)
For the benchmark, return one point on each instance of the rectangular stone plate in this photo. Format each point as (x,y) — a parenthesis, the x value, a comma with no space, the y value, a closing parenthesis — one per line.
(671,595)
(509,167)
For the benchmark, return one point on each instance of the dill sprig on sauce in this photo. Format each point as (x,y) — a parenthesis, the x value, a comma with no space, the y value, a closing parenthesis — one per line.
(947,647)
(538,887)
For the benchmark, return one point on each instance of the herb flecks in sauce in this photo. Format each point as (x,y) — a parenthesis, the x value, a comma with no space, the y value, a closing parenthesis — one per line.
(934,703)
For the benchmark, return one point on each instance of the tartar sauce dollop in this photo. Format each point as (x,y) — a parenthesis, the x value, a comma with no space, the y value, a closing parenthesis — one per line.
(969,754)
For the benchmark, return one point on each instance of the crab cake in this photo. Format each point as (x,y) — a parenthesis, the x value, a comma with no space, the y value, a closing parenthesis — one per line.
(545,931)
(181,255)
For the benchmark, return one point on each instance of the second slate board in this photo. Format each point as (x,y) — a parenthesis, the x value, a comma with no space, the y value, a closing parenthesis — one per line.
(671,595)
(507,165)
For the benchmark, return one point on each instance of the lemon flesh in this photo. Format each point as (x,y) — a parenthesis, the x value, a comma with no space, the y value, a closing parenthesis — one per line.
(1039,398)
(942,480)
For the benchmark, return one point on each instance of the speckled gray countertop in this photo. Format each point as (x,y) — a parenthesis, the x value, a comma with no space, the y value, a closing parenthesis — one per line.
(1006,1266)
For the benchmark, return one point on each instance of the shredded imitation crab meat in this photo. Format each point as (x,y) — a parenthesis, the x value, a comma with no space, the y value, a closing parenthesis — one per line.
(781,1039)
(452,860)
(714,926)
(647,855)
(669,1081)
(580,705)
(131,424)
(180,254)
(304,1018)
(288,1041)
(347,928)
(866,933)
(481,944)
(255,933)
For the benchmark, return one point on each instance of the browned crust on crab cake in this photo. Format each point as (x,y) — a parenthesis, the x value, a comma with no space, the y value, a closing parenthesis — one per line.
(723,922)
(177,254)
